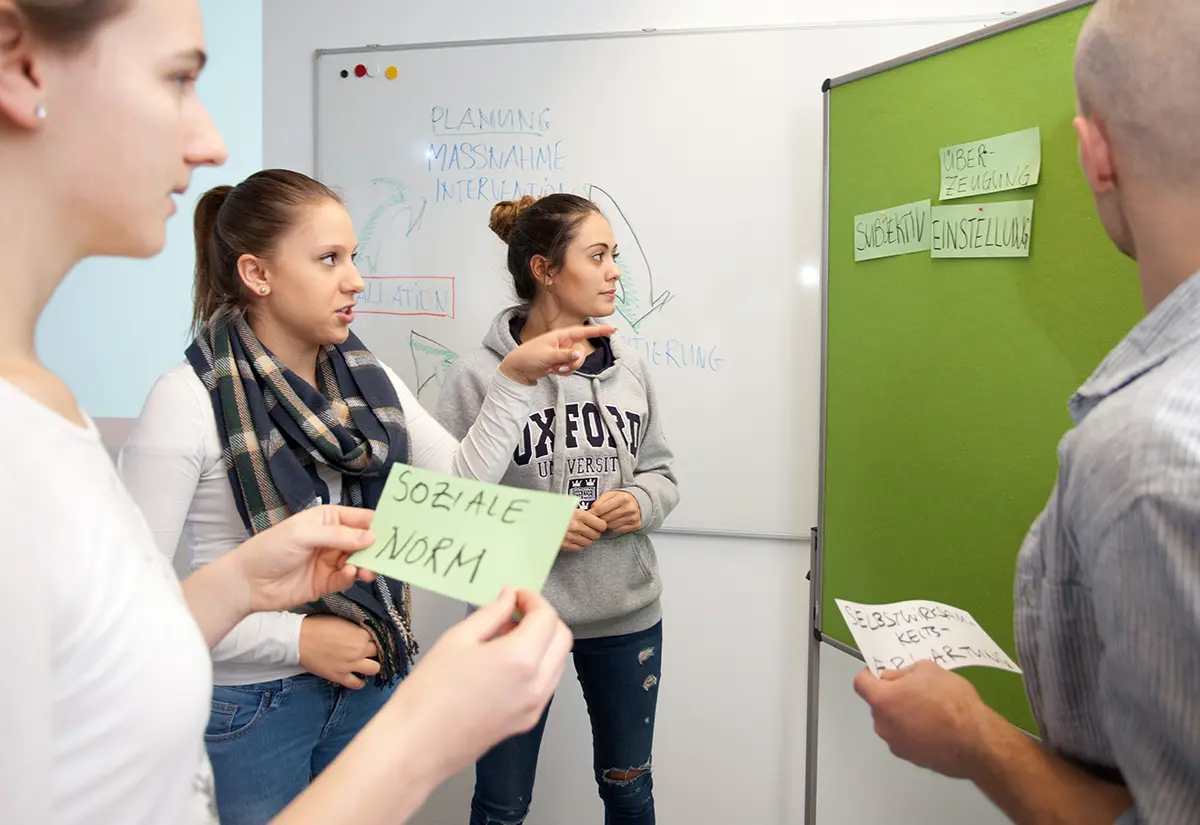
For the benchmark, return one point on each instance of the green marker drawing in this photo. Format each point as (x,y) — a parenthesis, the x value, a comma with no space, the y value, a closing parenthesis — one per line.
(431,359)
(375,231)
(637,278)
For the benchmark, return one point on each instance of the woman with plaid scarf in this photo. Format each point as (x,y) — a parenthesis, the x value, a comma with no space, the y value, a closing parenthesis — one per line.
(279,407)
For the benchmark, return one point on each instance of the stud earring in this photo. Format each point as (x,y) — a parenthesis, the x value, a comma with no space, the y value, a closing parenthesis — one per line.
(39,112)
(263,290)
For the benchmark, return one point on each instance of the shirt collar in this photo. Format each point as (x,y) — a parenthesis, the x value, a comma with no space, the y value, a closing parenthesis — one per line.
(1172,325)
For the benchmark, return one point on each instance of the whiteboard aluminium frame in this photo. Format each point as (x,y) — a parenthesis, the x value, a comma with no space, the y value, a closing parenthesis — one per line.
(376,48)
(816,583)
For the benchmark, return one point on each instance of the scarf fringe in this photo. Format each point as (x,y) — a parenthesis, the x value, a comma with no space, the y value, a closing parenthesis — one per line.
(395,640)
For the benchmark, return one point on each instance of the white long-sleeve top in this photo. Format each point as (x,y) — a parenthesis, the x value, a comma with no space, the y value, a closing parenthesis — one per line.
(106,675)
(174,467)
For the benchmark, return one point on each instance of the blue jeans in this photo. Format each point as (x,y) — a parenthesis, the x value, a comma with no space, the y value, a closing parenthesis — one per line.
(268,741)
(619,676)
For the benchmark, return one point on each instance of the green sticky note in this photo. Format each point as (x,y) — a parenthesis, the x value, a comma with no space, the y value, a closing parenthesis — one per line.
(995,164)
(463,538)
(990,230)
(897,230)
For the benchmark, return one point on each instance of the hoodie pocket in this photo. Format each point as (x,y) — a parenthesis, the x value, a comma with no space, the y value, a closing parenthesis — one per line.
(646,565)
(610,579)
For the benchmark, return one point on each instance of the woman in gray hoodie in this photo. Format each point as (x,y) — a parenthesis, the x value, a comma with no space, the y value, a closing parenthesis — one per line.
(596,435)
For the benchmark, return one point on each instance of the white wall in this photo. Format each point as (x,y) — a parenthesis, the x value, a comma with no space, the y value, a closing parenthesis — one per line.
(860,782)
(728,721)
(730,737)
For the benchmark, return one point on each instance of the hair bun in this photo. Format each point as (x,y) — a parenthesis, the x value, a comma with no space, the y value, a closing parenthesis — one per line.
(505,215)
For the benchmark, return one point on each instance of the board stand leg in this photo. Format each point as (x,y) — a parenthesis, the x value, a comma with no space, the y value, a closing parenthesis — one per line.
(814,681)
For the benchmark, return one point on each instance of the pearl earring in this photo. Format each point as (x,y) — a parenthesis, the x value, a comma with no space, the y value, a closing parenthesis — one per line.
(263,290)
(39,112)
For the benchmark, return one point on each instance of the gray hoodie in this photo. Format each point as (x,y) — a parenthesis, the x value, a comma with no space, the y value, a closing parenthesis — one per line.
(587,435)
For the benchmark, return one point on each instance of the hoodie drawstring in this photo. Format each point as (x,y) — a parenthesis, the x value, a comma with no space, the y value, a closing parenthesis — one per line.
(558,478)
(620,436)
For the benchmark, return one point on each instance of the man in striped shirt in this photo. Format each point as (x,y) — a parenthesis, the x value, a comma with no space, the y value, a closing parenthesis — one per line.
(1108,582)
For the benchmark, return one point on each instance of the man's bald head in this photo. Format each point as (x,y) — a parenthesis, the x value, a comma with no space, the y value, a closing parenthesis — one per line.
(1137,71)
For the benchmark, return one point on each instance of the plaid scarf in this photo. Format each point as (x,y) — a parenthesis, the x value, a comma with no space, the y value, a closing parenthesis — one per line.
(275,429)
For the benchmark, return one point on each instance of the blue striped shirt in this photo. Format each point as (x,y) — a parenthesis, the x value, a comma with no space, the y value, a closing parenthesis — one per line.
(1108,580)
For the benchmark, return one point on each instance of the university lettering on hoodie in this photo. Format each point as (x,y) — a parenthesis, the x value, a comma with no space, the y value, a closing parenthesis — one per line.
(583,426)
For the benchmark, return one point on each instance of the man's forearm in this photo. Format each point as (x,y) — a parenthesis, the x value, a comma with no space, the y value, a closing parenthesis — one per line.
(1034,787)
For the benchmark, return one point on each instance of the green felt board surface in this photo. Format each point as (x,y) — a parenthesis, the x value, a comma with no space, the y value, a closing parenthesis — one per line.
(948,380)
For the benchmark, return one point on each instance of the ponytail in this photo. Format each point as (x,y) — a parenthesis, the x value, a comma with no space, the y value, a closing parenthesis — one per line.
(210,291)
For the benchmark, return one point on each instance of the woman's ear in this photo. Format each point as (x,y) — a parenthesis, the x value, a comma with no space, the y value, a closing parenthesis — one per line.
(252,270)
(22,95)
(540,267)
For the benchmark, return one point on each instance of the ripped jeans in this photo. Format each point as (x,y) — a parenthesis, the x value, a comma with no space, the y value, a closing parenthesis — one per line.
(619,676)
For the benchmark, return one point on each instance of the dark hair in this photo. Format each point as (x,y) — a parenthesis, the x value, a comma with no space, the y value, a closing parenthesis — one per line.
(247,219)
(68,24)
(543,226)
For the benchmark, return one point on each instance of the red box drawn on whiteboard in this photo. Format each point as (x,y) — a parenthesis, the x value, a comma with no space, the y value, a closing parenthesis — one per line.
(431,296)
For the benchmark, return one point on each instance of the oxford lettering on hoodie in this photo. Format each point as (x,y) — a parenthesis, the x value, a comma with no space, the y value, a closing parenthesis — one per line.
(590,433)
(582,422)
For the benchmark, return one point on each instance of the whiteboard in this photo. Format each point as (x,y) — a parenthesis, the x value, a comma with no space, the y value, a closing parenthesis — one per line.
(704,150)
